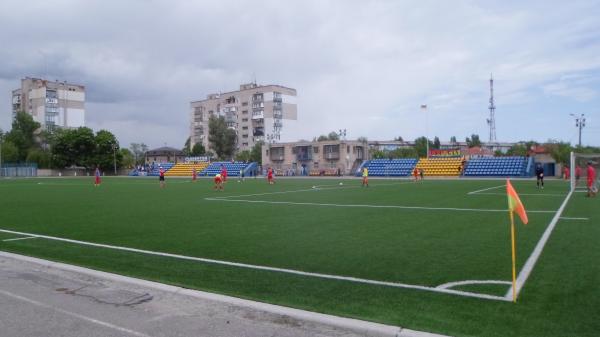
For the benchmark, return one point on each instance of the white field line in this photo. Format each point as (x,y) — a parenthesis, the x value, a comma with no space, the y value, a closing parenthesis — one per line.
(317,188)
(531,261)
(272,269)
(25,238)
(527,194)
(372,206)
(467,282)
(486,189)
(571,218)
(72,314)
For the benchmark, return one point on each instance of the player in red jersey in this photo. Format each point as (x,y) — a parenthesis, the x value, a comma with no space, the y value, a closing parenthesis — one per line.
(224,173)
(567,173)
(97,177)
(270,176)
(218,182)
(591,180)
(161,177)
(194,174)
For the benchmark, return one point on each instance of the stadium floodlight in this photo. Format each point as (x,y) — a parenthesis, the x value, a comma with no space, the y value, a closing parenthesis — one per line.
(424,109)
(579,123)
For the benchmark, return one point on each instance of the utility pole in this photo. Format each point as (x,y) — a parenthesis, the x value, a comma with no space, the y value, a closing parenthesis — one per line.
(424,109)
(115,157)
(580,124)
(492,120)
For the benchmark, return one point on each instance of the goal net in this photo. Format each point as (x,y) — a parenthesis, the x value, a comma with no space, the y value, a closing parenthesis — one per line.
(579,169)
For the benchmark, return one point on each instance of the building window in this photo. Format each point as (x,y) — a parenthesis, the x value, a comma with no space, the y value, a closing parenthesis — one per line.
(316,165)
(244,112)
(244,144)
(244,136)
(244,119)
(244,128)
(245,104)
(316,149)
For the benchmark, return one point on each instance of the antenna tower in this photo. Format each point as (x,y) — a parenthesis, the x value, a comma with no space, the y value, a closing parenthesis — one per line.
(492,120)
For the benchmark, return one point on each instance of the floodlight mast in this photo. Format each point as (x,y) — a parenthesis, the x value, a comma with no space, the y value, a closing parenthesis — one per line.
(579,123)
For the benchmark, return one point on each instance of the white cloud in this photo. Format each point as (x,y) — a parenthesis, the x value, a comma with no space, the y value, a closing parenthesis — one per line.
(361,65)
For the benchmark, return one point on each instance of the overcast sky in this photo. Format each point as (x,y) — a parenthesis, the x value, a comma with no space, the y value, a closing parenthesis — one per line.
(364,66)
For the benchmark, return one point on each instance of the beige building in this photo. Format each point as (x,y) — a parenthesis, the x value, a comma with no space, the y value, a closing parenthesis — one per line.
(315,158)
(52,104)
(255,112)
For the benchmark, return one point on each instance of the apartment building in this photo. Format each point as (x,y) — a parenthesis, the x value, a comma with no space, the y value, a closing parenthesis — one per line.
(315,158)
(51,103)
(255,112)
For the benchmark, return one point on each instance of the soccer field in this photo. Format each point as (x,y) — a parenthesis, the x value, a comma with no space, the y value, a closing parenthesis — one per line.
(433,255)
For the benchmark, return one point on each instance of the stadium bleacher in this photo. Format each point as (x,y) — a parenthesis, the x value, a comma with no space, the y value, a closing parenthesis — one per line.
(440,166)
(156,169)
(496,166)
(390,167)
(233,169)
(185,169)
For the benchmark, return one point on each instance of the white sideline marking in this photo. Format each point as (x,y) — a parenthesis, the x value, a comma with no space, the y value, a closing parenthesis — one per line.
(72,314)
(531,261)
(467,282)
(25,238)
(273,269)
(486,189)
(528,194)
(571,218)
(373,206)
(317,188)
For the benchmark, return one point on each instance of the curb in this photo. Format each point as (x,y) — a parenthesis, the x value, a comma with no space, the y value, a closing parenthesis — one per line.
(359,326)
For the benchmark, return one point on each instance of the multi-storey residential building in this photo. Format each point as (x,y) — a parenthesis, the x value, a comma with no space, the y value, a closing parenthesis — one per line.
(255,112)
(330,157)
(52,104)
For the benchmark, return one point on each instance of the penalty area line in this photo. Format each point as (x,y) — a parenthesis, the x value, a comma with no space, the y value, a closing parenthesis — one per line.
(486,189)
(266,268)
(371,206)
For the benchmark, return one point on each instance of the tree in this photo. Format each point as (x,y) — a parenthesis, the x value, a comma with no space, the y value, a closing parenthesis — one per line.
(43,158)
(362,139)
(519,149)
(322,138)
(127,158)
(256,153)
(436,143)
(138,150)
(560,151)
(198,150)
(421,146)
(105,154)
(473,141)
(333,136)
(187,148)
(22,134)
(10,152)
(399,139)
(243,156)
(222,139)
(403,152)
(453,140)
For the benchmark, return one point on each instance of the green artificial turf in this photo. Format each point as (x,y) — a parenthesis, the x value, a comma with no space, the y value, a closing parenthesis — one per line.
(306,229)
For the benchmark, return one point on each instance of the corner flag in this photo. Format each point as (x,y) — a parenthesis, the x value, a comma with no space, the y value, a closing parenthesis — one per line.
(514,206)
(514,203)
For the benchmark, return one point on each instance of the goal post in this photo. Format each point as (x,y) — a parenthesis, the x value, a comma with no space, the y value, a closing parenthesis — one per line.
(578,164)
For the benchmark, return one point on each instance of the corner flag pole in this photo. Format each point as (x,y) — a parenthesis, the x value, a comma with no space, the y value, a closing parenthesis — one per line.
(514,255)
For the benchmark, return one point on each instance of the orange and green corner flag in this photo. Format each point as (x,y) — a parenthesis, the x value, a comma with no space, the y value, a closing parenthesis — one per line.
(514,203)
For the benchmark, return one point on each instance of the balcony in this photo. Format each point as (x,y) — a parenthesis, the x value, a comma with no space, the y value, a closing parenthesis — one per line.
(258,115)
(332,155)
